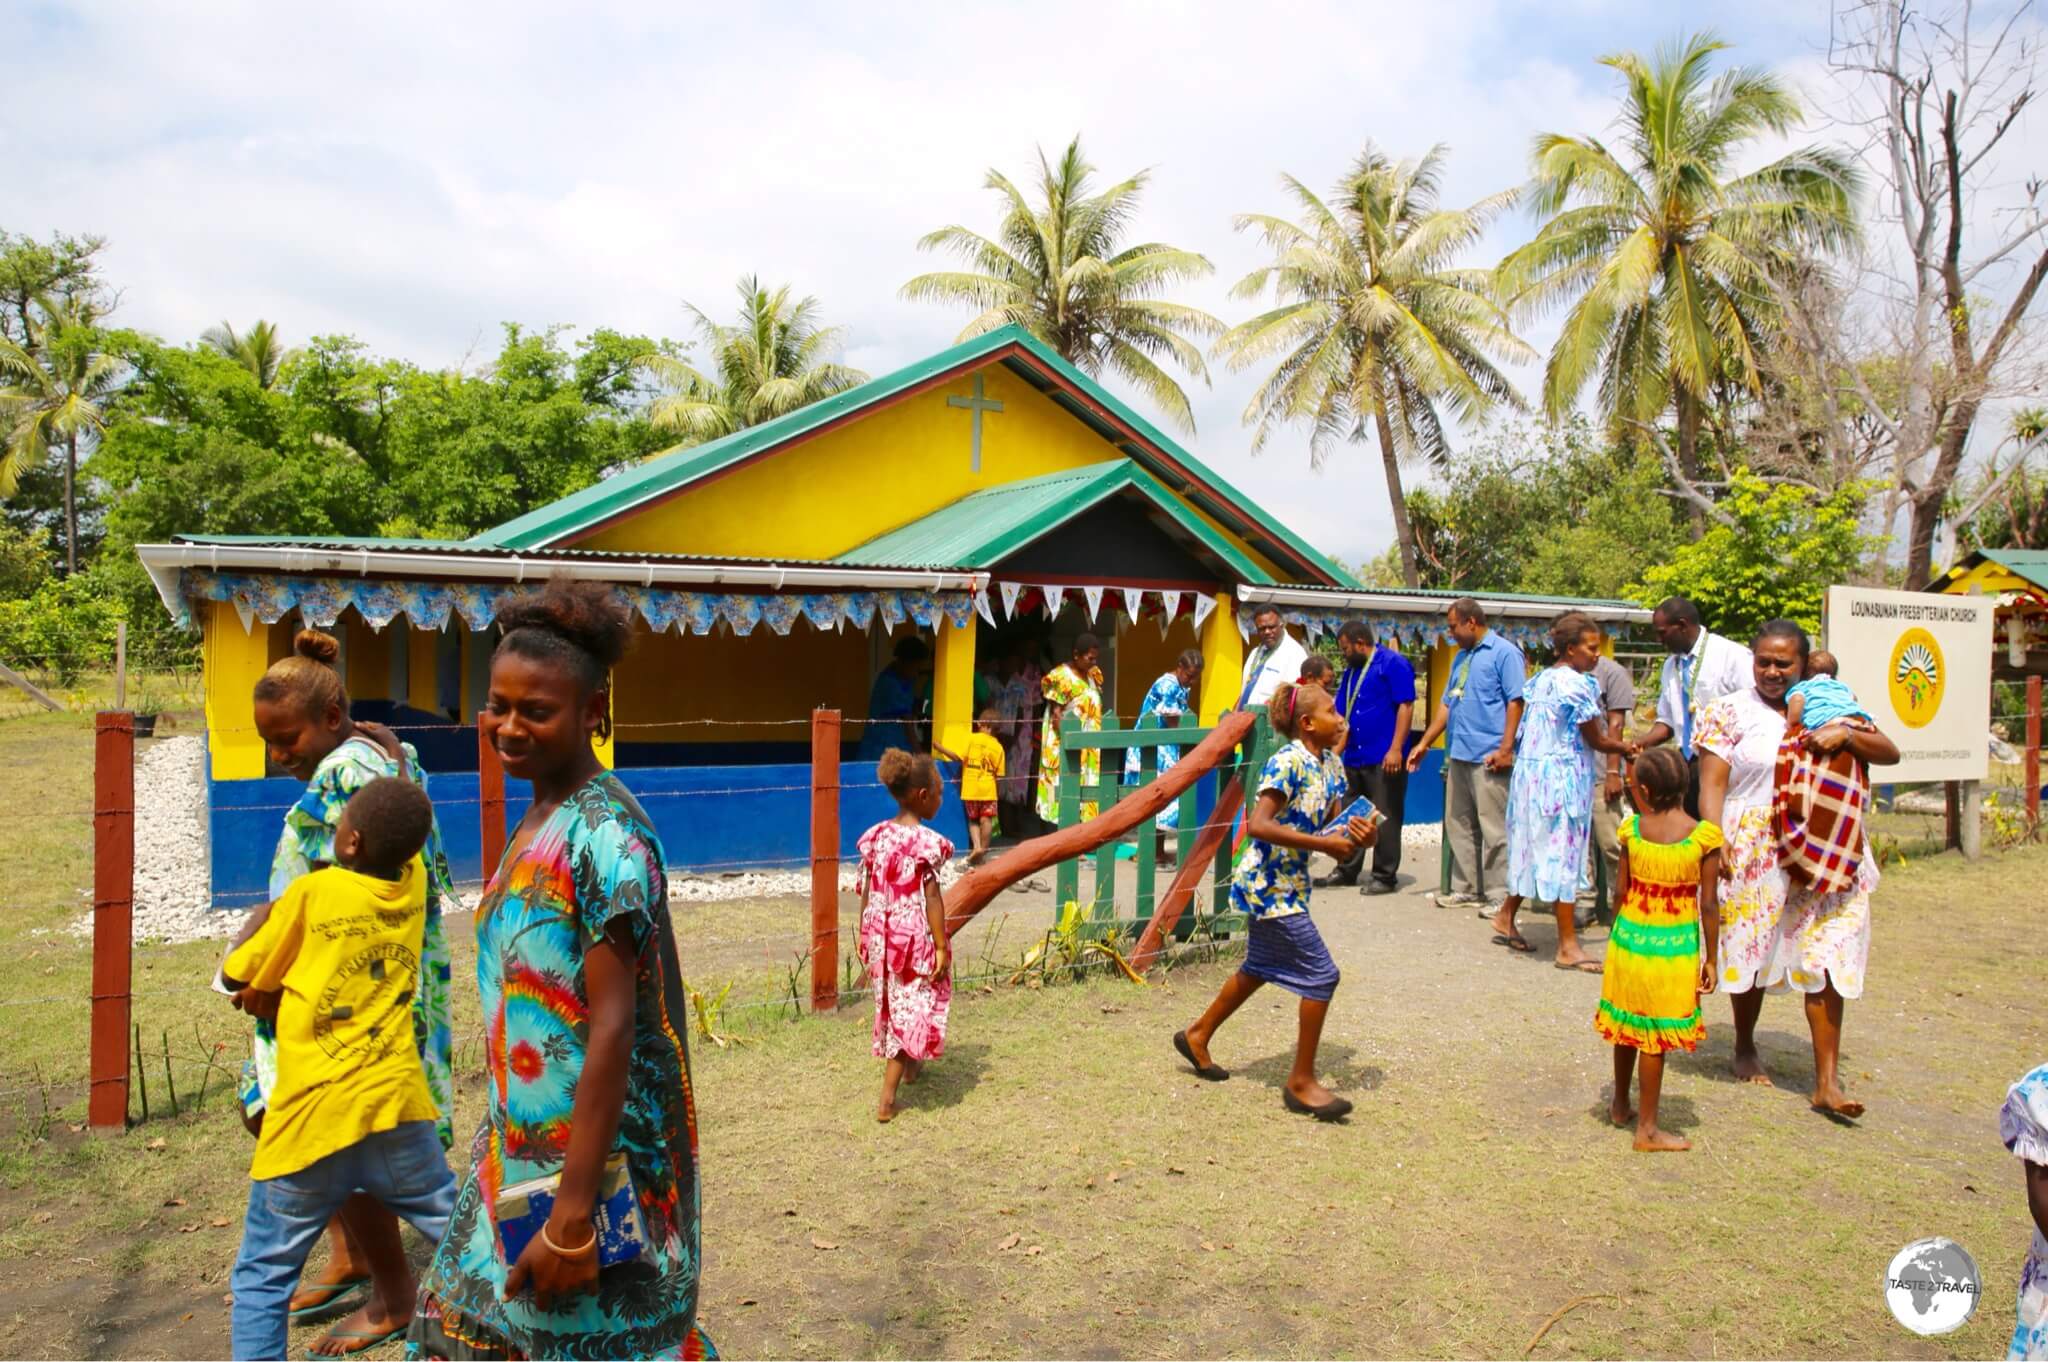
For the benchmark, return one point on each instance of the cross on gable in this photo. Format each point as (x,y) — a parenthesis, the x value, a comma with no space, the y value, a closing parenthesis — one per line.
(977,404)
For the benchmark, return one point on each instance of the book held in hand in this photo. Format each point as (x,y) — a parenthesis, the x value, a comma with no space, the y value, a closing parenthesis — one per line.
(1360,807)
(523,1209)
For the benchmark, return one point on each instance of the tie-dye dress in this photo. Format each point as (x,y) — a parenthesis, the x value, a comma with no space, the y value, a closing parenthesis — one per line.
(306,843)
(1168,698)
(594,864)
(1550,799)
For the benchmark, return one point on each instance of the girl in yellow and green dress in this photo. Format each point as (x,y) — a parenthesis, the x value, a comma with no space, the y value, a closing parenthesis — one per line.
(1657,967)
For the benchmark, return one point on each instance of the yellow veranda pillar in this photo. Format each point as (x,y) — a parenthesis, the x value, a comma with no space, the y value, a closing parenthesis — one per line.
(232,660)
(953,685)
(1222,660)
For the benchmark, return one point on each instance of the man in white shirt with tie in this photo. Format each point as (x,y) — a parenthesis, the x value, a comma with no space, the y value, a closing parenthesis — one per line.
(1277,658)
(1702,668)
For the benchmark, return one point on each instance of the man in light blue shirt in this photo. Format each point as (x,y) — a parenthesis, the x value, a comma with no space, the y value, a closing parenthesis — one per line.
(1481,708)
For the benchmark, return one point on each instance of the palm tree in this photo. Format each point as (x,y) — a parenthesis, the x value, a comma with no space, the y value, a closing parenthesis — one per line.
(1376,327)
(1664,254)
(260,350)
(773,361)
(1060,270)
(55,392)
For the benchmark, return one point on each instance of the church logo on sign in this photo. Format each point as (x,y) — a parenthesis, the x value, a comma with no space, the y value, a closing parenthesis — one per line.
(1917,677)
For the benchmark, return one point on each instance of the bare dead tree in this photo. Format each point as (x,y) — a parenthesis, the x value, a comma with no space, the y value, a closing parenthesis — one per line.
(1939,94)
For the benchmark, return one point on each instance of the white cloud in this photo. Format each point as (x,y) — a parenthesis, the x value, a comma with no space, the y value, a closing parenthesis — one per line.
(416,174)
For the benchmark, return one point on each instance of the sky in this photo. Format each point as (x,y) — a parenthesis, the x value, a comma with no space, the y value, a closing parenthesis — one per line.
(418,174)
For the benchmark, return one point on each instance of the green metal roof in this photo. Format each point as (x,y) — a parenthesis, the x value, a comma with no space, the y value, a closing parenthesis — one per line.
(1447,595)
(1074,391)
(2031,564)
(983,528)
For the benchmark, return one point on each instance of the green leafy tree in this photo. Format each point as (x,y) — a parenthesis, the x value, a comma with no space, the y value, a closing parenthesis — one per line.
(260,349)
(1661,253)
(64,268)
(55,394)
(25,563)
(63,629)
(773,360)
(1060,268)
(1378,328)
(1772,553)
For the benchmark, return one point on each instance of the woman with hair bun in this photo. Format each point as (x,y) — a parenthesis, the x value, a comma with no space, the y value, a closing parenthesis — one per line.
(301,711)
(584,1014)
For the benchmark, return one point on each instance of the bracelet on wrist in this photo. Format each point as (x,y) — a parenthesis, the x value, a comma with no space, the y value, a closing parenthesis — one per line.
(589,1245)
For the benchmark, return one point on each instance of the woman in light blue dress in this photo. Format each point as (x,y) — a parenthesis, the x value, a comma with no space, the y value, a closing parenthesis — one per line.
(1550,802)
(1171,698)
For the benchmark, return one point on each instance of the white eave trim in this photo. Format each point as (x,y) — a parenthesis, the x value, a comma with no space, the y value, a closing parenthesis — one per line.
(164,561)
(1326,599)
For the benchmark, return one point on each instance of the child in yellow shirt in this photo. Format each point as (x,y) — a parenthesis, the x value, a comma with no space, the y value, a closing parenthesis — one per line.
(350,1109)
(982,765)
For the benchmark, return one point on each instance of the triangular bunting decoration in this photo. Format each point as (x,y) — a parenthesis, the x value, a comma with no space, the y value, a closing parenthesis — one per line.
(1010,591)
(1093,595)
(1134,603)
(1203,605)
(1170,602)
(246,613)
(1052,600)
(984,608)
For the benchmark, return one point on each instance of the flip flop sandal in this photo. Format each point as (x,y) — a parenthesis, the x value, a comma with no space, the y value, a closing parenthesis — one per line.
(1518,944)
(338,1294)
(1333,1110)
(1580,966)
(1213,1072)
(358,1340)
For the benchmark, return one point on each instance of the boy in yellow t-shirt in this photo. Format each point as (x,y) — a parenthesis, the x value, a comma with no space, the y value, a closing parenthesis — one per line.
(981,767)
(350,1109)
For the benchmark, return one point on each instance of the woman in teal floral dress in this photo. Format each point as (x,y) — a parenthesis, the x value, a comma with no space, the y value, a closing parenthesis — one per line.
(301,712)
(583,1011)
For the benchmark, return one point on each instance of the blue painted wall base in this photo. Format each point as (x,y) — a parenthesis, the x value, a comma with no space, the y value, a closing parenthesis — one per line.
(711,819)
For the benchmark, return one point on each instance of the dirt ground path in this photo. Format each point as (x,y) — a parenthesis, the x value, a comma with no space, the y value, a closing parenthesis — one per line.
(1061,1186)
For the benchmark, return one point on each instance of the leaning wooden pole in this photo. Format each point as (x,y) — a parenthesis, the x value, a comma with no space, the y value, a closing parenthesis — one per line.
(113,915)
(973,891)
(824,860)
(490,797)
(1194,867)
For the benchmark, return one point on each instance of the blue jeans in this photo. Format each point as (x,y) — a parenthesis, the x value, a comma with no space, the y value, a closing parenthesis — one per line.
(403,1168)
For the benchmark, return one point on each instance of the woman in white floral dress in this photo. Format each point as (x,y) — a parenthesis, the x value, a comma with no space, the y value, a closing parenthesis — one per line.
(1776,935)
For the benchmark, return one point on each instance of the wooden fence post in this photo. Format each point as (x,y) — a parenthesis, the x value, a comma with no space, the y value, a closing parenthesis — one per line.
(2033,753)
(113,911)
(824,860)
(490,798)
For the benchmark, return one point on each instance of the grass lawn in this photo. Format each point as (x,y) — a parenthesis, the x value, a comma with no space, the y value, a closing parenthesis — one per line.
(1061,1186)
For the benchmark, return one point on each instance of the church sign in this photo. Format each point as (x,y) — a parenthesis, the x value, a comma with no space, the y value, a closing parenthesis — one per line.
(1921,664)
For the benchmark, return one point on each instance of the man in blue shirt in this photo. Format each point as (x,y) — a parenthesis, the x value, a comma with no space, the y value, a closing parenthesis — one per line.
(1482,708)
(1376,696)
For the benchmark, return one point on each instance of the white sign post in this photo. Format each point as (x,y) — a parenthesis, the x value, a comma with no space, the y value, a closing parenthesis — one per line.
(1921,664)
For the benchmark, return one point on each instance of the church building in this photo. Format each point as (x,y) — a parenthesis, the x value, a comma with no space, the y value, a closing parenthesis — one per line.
(988,493)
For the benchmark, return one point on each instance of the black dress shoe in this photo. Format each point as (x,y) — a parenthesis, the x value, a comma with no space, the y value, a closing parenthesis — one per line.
(1378,886)
(1333,1110)
(1335,880)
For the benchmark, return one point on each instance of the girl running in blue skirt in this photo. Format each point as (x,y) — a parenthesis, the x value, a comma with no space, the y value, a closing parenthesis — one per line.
(1296,800)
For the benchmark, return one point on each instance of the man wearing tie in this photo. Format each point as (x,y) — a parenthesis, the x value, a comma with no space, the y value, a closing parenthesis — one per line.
(1702,668)
(1278,658)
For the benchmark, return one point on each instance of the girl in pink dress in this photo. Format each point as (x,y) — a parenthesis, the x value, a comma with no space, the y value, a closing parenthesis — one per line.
(903,924)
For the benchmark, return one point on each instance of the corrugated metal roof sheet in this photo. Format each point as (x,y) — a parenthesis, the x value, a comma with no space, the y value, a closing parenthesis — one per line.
(1448,596)
(982,528)
(468,548)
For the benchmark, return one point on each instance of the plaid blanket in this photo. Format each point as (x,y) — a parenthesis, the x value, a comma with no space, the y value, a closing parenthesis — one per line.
(1818,808)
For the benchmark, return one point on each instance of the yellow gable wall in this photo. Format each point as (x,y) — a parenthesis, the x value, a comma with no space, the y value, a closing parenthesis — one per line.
(838,490)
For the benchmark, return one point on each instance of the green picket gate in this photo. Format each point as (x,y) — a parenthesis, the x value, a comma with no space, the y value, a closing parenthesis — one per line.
(1146,737)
